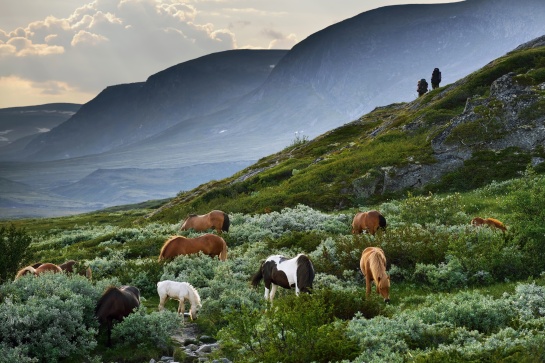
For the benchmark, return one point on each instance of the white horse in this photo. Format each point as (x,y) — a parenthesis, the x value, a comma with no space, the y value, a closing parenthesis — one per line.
(179,291)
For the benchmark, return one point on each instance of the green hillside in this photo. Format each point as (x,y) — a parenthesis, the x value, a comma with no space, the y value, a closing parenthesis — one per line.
(459,293)
(329,172)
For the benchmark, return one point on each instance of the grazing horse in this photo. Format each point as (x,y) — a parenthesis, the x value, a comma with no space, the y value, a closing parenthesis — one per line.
(369,221)
(38,270)
(216,219)
(277,270)
(209,244)
(373,267)
(491,222)
(179,291)
(71,267)
(115,304)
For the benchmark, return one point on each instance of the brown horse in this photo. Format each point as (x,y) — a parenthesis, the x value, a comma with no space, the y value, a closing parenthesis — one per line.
(209,244)
(115,304)
(71,266)
(38,270)
(491,222)
(216,219)
(369,221)
(373,267)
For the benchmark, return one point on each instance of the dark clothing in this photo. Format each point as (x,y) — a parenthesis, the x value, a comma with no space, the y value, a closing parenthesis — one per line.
(422,87)
(435,78)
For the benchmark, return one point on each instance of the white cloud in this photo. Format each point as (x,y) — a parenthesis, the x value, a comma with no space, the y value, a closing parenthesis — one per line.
(87,38)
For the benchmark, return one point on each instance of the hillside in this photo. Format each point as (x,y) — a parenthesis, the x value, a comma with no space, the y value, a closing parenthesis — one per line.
(243,105)
(487,126)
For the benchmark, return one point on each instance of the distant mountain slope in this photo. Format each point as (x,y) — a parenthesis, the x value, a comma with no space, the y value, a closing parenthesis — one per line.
(132,185)
(17,123)
(129,113)
(488,126)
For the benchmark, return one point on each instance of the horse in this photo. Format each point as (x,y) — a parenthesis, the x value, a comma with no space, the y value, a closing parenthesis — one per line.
(115,304)
(209,244)
(69,267)
(491,222)
(179,291)
(278,270)
(38,270)
(369,221)
(215,219)
(373,267)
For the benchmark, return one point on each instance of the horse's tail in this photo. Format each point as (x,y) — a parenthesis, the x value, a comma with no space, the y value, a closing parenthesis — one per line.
(226,223)
(305,273)
(257,277)
(223,253)
(24,271)
(382,221)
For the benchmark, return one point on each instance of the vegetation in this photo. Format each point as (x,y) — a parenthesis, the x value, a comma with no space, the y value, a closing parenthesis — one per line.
(458,293)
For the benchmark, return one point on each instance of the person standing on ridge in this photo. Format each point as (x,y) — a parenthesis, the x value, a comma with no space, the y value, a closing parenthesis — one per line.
(422,87)
(435,78)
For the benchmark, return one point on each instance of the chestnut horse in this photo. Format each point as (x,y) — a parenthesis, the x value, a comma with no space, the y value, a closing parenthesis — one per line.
(115,304)
(373,267)
(216,219)
(209,244)
(71,266)
(491,222)
(369,221)
(38,270)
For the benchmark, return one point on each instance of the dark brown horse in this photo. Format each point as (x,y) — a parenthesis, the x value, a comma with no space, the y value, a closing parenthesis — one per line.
(209,244)
(38,270)
(369,221)
(216,219)
(72,266)
(115,304)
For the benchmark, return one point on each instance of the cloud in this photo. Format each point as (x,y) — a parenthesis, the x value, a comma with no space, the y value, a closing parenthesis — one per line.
(87,38)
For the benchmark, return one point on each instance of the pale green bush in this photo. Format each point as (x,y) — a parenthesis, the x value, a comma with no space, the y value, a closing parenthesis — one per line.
(140,328)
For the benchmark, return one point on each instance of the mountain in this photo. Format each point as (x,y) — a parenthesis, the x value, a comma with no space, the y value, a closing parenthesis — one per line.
(18,125)
(126,114)
(486,127)
(244,105)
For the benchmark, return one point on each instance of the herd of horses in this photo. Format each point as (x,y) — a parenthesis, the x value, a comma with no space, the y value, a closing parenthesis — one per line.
(277,270)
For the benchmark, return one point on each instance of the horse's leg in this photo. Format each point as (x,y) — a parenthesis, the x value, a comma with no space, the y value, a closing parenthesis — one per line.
(273,291)
(109,326)
(368,279)
(266,293)
(181,308)
(162,301)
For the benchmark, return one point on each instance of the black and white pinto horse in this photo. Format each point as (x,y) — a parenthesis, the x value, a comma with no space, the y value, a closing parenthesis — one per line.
(278,270)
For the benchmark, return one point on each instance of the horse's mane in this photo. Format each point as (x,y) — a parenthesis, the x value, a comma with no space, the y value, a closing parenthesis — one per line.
(377,264)
(165,246)
(24,271)
(195,294)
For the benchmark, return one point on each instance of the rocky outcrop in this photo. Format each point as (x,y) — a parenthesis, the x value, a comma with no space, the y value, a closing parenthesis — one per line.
(511,116)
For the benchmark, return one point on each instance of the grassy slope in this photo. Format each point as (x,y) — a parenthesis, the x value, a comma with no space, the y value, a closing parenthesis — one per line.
(320,172)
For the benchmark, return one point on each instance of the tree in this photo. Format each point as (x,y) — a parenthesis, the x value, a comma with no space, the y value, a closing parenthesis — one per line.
(13,246)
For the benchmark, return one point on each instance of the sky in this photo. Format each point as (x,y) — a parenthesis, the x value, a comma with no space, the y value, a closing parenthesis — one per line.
(70,50)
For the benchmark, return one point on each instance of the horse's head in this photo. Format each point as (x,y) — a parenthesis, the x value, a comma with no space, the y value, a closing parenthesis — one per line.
(194,311)
(383,288)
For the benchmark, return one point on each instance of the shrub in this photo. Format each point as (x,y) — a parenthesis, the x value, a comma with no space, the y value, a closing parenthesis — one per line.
(13,244)
(444,277)
(50,317)
(294,329)
(140,329)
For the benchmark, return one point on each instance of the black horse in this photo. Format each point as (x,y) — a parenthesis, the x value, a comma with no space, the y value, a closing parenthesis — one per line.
(115,304)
